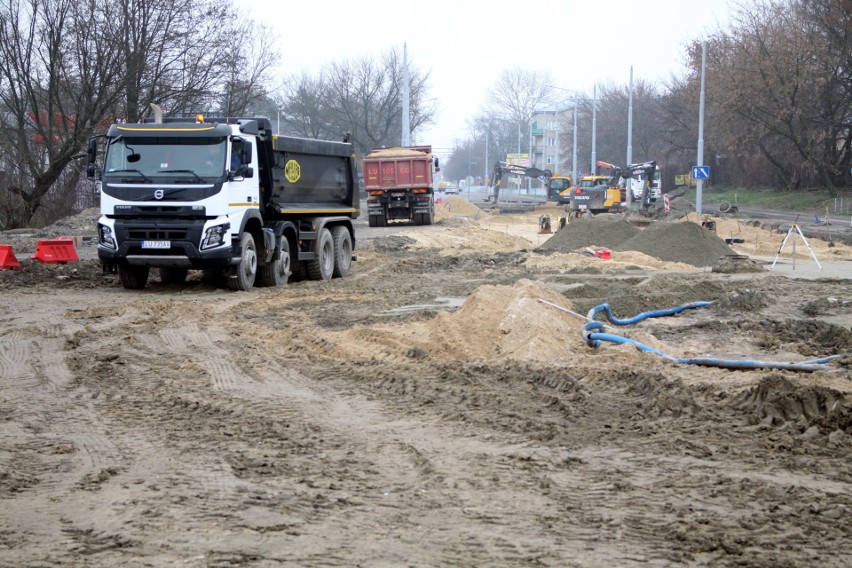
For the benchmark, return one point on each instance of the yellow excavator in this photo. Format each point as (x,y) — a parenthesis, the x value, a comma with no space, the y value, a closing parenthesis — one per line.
(607,193)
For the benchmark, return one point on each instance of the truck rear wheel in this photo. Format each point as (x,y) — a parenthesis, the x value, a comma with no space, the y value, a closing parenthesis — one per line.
(246,271)
(322,266)
(173,275)
(133,277)
(342,251)
(277,272)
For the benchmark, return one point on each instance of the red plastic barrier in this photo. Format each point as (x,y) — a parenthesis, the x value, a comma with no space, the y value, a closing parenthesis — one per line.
(603,254)
(56,251)
(8,260)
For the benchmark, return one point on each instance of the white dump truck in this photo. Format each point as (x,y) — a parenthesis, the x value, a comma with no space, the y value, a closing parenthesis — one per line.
(223,195)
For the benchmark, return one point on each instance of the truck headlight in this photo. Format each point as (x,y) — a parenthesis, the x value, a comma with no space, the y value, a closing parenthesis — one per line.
(105,237)
(215,236)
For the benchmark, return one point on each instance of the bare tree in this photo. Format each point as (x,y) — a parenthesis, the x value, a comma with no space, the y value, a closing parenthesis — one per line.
(59,79)
(781,73)
(517,94)
(72,67)
(362,96)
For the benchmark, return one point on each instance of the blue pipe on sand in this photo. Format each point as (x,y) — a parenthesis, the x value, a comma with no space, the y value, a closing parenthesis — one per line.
(593,334)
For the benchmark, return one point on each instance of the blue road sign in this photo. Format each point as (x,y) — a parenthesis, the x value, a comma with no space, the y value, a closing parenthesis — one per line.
(700,172)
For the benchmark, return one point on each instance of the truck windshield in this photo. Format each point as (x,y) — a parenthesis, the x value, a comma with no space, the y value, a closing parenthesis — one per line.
(159,157)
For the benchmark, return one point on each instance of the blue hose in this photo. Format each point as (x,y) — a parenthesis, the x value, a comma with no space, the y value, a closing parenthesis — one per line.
(592,333)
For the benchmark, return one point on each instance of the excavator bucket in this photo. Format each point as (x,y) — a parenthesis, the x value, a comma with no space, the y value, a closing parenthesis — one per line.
(8,261)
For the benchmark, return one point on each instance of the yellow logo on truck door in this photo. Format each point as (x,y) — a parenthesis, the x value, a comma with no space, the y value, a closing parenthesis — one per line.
(292,171)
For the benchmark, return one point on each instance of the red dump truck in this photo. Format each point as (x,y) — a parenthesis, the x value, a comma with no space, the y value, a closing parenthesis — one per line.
(398,182)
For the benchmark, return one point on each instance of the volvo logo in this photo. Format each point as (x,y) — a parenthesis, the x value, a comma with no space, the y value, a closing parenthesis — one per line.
(158,194)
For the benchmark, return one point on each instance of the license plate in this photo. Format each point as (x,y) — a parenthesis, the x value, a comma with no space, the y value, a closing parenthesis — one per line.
(156,244)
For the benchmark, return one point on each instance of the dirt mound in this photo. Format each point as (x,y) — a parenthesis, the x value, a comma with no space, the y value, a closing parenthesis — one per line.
(678,242)
(454,206)
(595,232)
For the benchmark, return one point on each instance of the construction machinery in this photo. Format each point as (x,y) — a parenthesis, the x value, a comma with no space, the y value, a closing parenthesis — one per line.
(597,193)
(644,182)
(223,195)
(503,168)
(399,183)
(556,186)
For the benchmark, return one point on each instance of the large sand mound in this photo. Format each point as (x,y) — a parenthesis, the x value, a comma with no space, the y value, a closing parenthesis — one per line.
(678,242)
(494,323)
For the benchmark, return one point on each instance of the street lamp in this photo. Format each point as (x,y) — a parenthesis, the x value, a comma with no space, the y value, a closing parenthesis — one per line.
(576,101)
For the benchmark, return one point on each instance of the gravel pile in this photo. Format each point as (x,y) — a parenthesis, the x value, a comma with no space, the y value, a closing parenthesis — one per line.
(684,242)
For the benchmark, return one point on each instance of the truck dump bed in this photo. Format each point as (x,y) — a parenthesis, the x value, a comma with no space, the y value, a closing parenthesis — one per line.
(398,168)
(312,176)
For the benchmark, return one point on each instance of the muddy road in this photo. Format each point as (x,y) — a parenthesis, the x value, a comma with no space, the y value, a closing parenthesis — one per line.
(432,409)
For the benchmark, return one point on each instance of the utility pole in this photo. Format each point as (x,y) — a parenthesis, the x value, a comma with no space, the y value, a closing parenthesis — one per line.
(574,150)
(594,128)
(406,126)
(699,185)
(628,182)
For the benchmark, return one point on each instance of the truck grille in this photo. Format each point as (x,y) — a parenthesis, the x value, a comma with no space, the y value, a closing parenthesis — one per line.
(141,234)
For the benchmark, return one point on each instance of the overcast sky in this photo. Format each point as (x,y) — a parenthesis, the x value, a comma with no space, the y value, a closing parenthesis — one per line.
(467,44)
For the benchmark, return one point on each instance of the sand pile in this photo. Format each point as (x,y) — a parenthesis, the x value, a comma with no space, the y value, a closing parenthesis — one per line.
(495,322)
(454,206)
(466,240)
(595,232)
(678,242)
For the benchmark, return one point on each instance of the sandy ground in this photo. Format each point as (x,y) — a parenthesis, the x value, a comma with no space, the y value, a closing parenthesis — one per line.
(438,407)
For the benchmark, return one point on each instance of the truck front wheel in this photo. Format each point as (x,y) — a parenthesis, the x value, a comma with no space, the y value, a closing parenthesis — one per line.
(342,251)
(277,272)
(133,277)
(246,271)
(322,266)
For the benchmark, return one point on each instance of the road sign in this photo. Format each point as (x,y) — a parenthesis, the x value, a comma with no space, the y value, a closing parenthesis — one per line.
(700,172)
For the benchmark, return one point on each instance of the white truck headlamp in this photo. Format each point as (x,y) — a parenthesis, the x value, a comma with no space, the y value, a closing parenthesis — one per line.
(105,237)
(215,236)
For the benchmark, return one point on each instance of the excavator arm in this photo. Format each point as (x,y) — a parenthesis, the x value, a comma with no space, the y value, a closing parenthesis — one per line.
(646,169)
(502,168)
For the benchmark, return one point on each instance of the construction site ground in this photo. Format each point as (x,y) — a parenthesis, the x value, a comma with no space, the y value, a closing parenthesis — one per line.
(438,406)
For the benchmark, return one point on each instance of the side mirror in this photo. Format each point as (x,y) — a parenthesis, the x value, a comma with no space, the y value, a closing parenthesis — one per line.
(437,165)
(247,153)
(92,150)
(90,171)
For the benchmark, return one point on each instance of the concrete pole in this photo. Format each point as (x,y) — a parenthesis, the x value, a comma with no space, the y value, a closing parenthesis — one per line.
(406,125)
(594,127)
(628,183)
(486,157)
(574,179)
(699,185)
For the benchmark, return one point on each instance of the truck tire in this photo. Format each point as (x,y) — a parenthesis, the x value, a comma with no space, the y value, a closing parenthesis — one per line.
(246,271)
(382,220)
(133,277)
(277,272)
(342,251)
(322,266)
(371,220)
(173,275)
